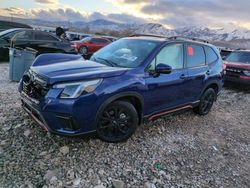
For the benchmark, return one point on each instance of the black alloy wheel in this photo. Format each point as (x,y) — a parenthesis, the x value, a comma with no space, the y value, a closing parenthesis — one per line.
(117,122)
(206,102)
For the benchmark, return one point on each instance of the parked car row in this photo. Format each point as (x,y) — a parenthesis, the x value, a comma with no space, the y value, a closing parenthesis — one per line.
(41,41)
(90,45)
(46,42)
(238,67)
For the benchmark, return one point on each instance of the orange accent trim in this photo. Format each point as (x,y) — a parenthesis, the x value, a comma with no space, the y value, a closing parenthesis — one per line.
(39,122)
(169,111)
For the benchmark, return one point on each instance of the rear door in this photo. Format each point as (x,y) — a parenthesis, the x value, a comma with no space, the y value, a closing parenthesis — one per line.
(44,42)
(197,70)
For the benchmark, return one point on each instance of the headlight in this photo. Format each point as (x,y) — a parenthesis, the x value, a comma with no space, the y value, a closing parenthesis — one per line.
(246,73)
(75,89)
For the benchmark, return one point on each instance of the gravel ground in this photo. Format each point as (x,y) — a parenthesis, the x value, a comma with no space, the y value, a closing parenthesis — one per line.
(184,150)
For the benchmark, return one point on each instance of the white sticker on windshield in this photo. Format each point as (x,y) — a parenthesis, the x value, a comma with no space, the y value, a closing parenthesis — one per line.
(129,57)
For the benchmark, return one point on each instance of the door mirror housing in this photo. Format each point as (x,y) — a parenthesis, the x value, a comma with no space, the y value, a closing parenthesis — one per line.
(163,69)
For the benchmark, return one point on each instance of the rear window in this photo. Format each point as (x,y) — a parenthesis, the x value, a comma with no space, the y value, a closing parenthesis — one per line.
(195,56)
(211,56)
(243,57)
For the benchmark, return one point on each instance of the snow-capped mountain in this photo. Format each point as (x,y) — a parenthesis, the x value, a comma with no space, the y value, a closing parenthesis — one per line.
(223,34)
(154,28)
(232,33)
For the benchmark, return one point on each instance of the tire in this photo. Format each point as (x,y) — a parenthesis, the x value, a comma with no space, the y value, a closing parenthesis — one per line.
(206,102)
(83,50)
(117,122)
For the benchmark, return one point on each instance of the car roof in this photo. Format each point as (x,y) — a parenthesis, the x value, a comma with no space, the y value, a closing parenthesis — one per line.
(247,51)
(162,38)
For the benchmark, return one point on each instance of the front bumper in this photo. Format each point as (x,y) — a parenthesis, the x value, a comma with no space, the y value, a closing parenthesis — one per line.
(59,117)
(238,79)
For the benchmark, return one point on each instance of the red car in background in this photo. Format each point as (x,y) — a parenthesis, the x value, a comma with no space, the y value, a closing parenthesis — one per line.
(238,67)
(90,45)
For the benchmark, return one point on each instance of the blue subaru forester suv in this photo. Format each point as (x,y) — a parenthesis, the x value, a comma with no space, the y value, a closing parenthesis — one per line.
(133,79)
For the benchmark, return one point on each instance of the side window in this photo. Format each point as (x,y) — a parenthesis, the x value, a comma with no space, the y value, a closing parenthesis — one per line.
(195,56)
(98,41)
(94,41)
(211,56)
(171,55)
(102,41)
(44,36)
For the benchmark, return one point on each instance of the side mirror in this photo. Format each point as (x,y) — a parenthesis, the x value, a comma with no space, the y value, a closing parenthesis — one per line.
(163,69)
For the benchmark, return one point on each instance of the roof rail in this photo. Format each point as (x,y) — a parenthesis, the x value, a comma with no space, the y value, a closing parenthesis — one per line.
(188,38)
(170,38)
(147,35)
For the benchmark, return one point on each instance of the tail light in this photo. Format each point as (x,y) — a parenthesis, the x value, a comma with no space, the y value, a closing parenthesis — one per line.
(224,66)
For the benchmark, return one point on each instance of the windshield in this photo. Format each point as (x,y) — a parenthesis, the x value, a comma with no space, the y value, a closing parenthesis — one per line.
(125,52)
(243,57)
(8,33)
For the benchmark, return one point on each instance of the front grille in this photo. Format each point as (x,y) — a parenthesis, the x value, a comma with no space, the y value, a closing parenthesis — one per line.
(234,72)
(32,88)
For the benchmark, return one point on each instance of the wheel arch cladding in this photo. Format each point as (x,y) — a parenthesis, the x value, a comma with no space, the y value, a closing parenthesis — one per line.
(212,85)
(133,97)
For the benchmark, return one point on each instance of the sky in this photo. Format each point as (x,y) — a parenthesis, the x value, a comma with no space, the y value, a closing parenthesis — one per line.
(170,13)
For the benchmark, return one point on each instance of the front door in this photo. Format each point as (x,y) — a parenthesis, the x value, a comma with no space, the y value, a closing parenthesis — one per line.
(166,90)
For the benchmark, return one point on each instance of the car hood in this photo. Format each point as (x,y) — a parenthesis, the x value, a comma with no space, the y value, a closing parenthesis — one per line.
(237,65)
(75,70)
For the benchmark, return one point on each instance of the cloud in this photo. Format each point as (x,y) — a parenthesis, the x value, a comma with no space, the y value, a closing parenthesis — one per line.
(172,13)
(68,14)
(126,18)
(178,13)
(134,1)
(60,14)
(13,11)
(47,1)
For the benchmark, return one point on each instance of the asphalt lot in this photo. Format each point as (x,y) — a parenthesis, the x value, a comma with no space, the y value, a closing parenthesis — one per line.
(184,150)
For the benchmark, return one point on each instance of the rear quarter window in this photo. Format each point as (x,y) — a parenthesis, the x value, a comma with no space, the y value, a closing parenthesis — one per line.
(195,56)
(211,56)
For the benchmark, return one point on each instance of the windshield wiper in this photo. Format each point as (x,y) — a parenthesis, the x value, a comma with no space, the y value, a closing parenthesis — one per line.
(107,61)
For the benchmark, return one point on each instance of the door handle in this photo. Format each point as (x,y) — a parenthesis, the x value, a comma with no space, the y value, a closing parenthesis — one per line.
(183,76)
(208,72)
